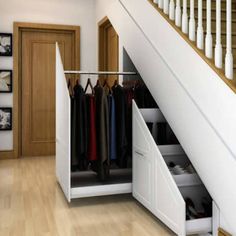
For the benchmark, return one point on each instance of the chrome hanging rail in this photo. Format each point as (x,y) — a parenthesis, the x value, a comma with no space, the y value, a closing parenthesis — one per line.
(99,72)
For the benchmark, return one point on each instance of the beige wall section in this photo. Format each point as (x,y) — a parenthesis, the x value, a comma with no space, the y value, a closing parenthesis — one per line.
(72,12)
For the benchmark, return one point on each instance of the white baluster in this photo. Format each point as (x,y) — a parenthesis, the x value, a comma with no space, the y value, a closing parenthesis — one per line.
(166,7)
(156,1)
(178,13)
(192,22)
(200,32)
(185,17)
(218,46)
(172,10)
(161,4)
(229,55)
(208,42)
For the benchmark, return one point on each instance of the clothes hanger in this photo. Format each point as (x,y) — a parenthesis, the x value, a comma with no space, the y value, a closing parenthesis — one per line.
(89,84)
(116,83)
(98,84)
(107,85)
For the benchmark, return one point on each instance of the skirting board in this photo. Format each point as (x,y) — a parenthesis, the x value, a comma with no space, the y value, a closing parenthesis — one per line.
(6,155)
(101,190)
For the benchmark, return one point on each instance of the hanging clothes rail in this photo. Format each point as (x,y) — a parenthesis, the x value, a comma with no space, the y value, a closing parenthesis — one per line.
(100,73)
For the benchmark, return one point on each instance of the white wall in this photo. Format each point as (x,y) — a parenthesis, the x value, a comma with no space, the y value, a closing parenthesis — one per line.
(70,12)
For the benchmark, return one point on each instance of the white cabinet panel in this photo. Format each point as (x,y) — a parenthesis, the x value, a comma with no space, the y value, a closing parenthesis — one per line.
(169,205)
(142,161)
(63,112)
(142,187)
(153,184)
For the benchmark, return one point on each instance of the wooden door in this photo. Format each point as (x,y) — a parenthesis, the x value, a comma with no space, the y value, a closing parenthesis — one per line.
(108,49)
(38,87)
(112,53)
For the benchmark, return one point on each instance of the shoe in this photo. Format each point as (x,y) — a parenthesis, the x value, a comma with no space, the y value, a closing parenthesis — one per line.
(207,206)
(176,169)
(191,212)
(190,169)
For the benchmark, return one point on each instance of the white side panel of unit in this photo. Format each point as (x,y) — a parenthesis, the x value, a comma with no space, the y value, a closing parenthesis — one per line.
(215,219)
(63,122)
(153,184)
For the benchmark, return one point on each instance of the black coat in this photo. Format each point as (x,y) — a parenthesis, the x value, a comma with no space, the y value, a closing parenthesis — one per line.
(102,129)
(78,129)
(121,134)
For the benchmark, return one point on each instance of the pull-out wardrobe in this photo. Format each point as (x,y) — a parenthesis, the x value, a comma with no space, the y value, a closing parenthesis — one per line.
(78,184)
(153,184)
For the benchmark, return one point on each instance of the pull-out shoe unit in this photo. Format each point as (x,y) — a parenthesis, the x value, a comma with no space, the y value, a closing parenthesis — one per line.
(156,187)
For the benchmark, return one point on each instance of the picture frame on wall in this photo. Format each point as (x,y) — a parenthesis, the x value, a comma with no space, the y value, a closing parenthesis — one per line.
(5,44)
(5,81)
(5,118)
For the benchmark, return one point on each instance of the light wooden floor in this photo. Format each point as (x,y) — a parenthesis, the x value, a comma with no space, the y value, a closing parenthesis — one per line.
(31,203)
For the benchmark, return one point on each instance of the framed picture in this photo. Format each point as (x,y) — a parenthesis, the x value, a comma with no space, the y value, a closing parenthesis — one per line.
(5,118)
(5,44)
(5,81)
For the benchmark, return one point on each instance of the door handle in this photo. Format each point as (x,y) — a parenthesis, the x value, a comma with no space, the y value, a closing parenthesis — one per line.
(139,153)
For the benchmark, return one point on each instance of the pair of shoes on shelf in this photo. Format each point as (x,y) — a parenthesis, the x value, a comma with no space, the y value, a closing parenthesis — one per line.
(190,169)
(207,206)
(176,169)
(192,213)
(179,170)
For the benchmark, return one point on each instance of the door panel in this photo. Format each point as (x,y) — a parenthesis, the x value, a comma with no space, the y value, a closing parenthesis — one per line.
(38,88)
(108,50)
(112,53)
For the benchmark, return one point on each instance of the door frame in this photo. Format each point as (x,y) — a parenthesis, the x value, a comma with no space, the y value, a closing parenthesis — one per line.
(19,27)
(102,42)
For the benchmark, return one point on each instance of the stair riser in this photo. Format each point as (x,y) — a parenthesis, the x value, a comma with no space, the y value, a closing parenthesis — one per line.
(213,13)
(223,38)
(213,4)
(213,25)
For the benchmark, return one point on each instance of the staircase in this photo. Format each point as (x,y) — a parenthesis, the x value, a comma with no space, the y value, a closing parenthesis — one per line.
(223,26)
(159,5)
(195,96)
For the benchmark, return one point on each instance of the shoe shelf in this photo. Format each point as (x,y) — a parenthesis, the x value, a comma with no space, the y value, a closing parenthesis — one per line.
(163,193)
(197,226)
(185,180)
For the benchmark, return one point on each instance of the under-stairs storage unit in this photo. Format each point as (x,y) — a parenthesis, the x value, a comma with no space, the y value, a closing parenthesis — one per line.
(154,185)
(81,183)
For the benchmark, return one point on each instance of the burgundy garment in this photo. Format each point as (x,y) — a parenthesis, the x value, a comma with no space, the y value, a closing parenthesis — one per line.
(92,149)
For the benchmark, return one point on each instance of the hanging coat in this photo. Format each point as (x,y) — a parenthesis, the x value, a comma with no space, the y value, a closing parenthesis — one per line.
(129,94)
(121,135)
(112,128)
(102,129)
(79,131)
(91,128)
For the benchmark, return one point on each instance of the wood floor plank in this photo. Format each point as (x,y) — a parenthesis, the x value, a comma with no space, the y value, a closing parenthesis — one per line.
(32,204)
